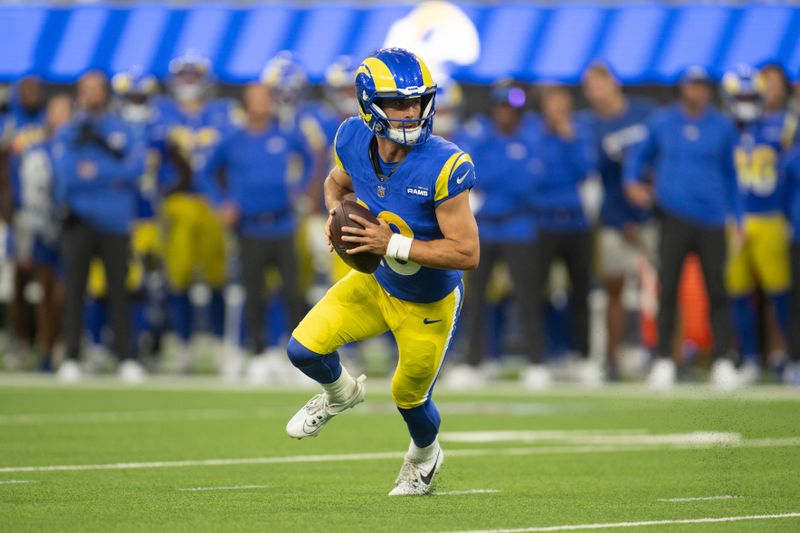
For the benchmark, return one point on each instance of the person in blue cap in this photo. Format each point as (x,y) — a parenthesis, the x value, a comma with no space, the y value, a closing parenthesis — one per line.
(507,151)
(689,148)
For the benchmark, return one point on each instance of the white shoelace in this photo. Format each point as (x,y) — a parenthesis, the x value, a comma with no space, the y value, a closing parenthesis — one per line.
(316,408)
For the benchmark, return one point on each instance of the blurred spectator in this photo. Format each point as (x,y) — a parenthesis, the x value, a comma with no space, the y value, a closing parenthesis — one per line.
(24,127)
(566,203)
(504,151)
(135,94)
(190,125)
(791,171)
(449,108)
(627,234)
(690,148)
(762,259)
(257,203)
(36,215)
(98,161)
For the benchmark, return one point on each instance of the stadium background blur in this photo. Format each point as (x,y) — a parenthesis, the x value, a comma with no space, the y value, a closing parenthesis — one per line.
(471,48)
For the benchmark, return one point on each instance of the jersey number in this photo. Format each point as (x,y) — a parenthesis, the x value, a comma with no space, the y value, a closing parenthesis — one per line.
(404,268)
(757,169)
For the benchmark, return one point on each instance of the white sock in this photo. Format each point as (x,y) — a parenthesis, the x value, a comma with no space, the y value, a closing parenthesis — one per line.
(340,390)
(419,455)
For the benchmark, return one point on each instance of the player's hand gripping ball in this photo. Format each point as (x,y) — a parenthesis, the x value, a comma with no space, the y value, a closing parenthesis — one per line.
(365,262)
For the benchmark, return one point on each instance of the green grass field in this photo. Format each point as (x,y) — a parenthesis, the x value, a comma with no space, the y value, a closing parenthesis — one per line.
(196,456)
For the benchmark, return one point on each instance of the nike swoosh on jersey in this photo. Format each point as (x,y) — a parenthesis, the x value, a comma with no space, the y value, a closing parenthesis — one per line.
(429,321)
(462,178)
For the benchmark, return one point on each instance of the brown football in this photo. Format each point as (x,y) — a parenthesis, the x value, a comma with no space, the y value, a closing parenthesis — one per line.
(365,261)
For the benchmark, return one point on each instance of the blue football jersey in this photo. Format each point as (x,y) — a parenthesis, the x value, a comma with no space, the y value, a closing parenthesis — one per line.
(430,174)
(761,145)
(194,135)
(22,130)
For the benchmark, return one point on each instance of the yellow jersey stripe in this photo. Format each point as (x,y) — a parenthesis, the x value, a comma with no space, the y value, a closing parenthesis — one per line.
(443,180)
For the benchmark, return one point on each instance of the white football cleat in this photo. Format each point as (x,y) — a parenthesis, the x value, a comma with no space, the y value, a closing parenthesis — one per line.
(313,416)
(537,377)
(662,375)
(749,373)
(131,372)
(415,479)
(724,376)
(69,371)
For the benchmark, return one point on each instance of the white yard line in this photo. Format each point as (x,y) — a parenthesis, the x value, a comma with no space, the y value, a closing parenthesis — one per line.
(644,523)
(623,436)
(471,491)
(477,452)
(238,487)
(699,499)
(17,481)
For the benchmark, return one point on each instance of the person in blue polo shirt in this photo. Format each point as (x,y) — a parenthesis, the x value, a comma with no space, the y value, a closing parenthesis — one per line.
(566,204)
(257,203)
(690,149)
(506,150)
(98,161)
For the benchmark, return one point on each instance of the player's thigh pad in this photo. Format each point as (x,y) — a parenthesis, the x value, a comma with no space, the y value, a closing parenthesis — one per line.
(770,253)
(350,311)
(423,333)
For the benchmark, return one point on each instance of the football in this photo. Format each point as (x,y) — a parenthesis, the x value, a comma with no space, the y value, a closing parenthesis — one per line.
(363,262)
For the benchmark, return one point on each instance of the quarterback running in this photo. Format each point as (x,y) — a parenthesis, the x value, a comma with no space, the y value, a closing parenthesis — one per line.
(418,186)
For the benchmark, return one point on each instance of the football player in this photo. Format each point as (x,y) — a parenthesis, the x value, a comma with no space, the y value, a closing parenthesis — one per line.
(190,126)
(762,259)
(417,185)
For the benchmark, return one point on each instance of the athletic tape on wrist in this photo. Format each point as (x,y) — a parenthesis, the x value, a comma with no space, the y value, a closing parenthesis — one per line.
(399,247)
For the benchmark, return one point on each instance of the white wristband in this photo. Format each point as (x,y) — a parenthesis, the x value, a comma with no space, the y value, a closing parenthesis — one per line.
(399,247)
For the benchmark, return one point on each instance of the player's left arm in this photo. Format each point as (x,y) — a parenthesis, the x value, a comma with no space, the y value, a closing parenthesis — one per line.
(457,250)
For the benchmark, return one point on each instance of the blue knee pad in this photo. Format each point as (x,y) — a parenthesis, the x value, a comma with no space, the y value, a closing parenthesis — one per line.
(423,423)
(322,368)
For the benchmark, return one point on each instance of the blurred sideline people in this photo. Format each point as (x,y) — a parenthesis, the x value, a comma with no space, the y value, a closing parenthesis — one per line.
(690,147)
(23,128)
(36,218)
(762,258)
(190,125)
(133,92)
(136,93)
(98,161)
(791,174)
(505,151)
(627,234)
(257,204)
(566,205)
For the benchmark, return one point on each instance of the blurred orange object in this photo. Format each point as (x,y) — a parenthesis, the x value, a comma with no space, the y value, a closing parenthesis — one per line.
(693,301)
